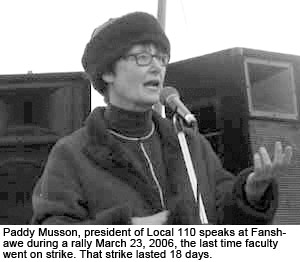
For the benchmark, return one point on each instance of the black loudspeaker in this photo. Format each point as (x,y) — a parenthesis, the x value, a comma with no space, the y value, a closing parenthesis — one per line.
(35,111)
(244,99)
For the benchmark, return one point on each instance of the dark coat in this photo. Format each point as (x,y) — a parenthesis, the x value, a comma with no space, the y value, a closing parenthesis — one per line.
(90,178)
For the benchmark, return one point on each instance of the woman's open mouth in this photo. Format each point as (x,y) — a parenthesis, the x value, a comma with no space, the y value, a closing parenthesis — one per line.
(152,84)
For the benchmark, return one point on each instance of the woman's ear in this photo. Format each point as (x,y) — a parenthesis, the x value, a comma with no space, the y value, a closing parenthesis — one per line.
(108,77)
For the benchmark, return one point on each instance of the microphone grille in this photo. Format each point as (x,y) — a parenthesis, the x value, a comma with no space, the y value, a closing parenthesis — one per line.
(166,92)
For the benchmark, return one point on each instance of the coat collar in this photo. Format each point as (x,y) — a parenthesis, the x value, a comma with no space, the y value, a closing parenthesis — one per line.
(105,150)
(98,136)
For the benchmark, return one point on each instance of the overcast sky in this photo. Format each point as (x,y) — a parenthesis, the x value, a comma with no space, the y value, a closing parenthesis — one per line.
(50,35)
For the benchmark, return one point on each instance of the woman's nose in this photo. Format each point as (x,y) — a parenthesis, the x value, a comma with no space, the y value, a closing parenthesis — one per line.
(156,64)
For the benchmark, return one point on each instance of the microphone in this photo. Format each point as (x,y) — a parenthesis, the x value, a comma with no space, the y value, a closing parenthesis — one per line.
(170,98)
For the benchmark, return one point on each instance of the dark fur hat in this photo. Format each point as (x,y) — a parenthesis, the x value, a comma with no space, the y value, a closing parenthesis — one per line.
(112,39)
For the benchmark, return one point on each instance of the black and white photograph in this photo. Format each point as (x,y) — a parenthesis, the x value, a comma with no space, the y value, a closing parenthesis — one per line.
(178,112)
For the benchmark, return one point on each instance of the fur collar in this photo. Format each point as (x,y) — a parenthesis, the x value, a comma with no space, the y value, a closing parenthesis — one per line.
(105,150)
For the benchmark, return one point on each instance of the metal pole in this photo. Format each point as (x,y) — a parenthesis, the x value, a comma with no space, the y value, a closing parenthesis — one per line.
(178,126)
(161,13)
(161,17)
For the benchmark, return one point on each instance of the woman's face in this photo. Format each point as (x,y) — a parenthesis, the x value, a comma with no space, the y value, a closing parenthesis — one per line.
(135,87)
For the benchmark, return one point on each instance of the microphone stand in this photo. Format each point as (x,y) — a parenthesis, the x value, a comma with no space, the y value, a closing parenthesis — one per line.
(179,129)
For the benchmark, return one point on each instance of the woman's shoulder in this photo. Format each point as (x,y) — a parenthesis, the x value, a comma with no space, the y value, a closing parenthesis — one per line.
(72,142)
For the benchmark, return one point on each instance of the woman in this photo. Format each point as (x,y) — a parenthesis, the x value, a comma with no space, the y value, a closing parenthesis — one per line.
(125,165)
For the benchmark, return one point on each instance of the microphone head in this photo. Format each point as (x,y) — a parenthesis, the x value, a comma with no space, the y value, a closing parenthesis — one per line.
(166,93)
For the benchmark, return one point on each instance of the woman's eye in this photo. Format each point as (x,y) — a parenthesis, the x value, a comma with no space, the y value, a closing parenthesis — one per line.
(143,57)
